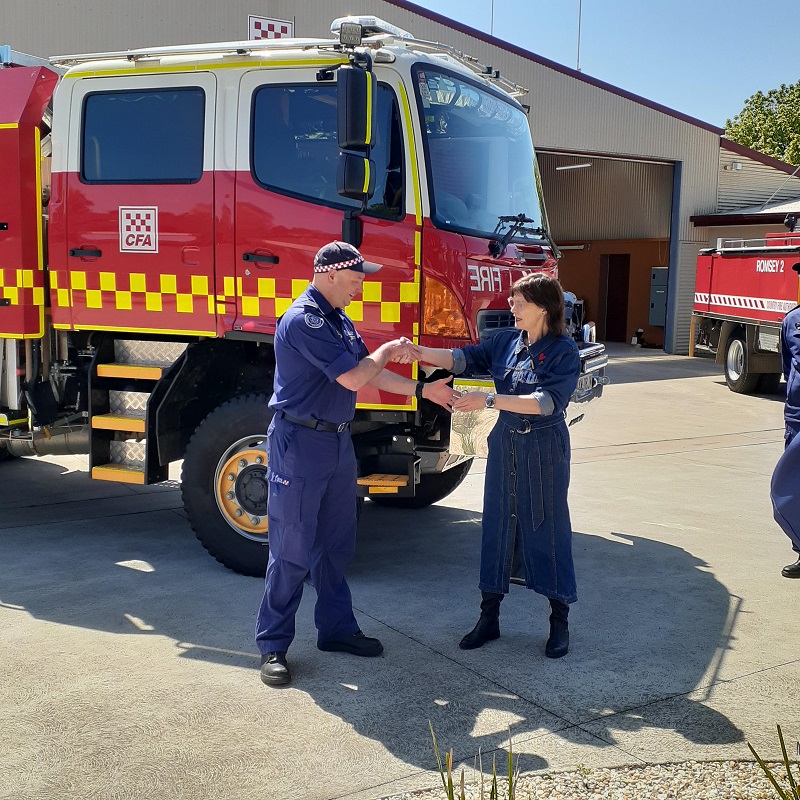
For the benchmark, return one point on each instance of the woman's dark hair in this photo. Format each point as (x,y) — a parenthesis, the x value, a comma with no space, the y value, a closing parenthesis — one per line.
(546,292)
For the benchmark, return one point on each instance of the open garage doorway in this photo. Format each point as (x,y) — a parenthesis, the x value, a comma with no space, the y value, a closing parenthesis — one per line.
(611,217)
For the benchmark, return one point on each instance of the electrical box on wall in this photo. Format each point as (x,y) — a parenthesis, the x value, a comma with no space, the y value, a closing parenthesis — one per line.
(658,296)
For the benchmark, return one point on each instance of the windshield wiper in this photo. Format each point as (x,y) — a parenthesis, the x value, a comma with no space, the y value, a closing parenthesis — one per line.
(518,222)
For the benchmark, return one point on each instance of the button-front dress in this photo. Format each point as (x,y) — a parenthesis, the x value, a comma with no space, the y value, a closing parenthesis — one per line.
(527,532)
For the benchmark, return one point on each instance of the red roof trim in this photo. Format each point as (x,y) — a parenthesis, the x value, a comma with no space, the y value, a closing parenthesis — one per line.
(735,147)
(554,65)
(722,220)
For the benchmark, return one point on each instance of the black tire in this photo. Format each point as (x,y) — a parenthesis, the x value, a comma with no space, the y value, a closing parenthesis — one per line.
(432,487)
(5,453)
(737,370)
(223,476)
(769,383)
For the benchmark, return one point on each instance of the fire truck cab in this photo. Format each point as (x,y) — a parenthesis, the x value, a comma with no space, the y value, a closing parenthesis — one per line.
(144,266)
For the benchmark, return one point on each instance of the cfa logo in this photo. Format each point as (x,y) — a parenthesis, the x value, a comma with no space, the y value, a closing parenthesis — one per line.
(138,229)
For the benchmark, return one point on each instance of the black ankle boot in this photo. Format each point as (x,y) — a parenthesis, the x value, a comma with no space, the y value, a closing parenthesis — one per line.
(488,627)
(558,643)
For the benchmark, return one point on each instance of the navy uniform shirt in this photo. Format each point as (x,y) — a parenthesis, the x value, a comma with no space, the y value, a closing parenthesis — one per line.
(315,344)
(790,354)
(548,369)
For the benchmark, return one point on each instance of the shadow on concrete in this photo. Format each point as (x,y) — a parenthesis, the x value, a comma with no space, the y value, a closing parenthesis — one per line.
(652,622)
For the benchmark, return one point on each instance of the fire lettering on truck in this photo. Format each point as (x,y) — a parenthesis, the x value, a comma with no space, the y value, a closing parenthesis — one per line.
(484,278)
(769,265)
(138,229)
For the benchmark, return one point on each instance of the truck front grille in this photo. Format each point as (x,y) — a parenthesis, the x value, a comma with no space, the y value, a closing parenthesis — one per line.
(489,322)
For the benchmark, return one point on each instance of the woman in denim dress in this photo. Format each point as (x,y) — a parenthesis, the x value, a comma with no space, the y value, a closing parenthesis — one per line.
(527,535)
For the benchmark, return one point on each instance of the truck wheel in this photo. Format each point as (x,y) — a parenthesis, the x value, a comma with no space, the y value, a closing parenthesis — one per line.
(224,484)
(737,373)
(5,453)
(432,487)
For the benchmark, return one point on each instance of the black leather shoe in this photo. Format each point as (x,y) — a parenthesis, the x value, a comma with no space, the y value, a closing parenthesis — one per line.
(357,645)
(274,670)
(486,630)
(558,642)
(791,570)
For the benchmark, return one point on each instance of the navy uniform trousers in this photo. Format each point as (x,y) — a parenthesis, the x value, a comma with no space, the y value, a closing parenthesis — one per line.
(785,489)
(312,530)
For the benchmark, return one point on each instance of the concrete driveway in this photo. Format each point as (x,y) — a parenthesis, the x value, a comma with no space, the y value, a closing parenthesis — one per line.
(127,667)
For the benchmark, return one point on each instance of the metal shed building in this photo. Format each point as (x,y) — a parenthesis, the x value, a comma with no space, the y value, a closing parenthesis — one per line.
(622,176)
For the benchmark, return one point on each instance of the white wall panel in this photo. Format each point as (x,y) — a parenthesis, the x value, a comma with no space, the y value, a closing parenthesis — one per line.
(752,184)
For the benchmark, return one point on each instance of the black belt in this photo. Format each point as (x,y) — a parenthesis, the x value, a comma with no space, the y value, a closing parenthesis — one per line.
(316,425)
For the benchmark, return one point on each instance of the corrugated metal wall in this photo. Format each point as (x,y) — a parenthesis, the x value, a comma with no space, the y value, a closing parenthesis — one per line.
(752,184)
(608,200)
(568,113)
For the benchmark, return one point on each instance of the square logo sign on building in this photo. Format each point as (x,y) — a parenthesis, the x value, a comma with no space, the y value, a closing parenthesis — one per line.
(138,229)
(267,28)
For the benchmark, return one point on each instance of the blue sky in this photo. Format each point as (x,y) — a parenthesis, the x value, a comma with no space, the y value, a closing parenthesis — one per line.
(703,58)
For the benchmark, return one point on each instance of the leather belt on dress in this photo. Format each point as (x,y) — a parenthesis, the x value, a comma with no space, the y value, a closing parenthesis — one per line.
(314,424)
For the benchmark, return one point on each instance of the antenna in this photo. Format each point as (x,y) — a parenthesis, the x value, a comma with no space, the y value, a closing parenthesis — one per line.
(578,59)
(491,21)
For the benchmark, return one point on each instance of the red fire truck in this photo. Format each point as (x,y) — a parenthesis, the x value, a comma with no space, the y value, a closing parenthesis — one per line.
(159,212)
(744,289)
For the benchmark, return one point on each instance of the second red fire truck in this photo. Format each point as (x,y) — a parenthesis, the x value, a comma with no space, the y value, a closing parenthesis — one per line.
(744,289)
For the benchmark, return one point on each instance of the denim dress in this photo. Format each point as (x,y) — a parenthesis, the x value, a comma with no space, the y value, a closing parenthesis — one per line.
(527,534)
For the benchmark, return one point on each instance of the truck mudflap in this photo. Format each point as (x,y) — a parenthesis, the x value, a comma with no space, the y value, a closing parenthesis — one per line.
(469,431)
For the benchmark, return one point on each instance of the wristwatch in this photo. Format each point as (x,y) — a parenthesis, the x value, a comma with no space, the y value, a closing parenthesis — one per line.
(418,391)
(490,400)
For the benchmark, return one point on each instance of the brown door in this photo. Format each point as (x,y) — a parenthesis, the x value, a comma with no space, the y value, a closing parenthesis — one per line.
(615,278)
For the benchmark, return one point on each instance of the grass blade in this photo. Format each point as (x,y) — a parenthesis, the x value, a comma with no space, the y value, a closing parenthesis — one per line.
(788,764)
(438,757)
(778,788)
(449,788)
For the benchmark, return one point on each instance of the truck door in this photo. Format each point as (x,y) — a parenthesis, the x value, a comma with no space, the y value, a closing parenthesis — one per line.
(139,197)
(287,206)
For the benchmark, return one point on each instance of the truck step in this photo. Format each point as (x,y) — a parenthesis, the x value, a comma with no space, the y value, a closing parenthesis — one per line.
(119,422)
(379,483)
(8,419)
(150,372)
(119,473)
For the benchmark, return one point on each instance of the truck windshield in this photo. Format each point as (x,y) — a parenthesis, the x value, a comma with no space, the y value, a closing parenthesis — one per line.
(481,164)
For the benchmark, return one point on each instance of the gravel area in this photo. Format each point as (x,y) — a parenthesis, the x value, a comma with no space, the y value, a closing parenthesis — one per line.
(694,780)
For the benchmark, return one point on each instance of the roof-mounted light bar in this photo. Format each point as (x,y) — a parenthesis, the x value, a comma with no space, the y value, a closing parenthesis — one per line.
(370,26)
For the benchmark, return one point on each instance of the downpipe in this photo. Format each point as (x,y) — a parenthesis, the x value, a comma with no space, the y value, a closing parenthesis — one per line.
(70,443)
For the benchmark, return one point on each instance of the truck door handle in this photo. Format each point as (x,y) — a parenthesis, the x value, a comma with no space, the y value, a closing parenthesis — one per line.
(88,253)
(260,257)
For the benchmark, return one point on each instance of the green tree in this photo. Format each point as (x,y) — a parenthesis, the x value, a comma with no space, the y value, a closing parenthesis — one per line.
(770,123)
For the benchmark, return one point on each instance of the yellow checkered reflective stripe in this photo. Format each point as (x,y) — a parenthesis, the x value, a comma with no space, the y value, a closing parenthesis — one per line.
(111,291)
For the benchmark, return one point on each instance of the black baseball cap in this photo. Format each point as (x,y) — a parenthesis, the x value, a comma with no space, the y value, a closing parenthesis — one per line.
(340,255)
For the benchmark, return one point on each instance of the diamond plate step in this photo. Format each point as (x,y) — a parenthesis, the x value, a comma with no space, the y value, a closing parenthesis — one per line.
(119,422)
(150,372)
(119,473)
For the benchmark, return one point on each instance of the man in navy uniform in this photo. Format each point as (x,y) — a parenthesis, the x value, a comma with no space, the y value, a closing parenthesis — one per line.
(321,362)
(785,489)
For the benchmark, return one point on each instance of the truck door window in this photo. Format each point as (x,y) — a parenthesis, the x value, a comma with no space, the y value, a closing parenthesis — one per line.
(152,136)
(294,147)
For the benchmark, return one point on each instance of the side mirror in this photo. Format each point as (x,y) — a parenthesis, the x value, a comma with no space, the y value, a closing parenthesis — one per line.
(356,95)
(355,177)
